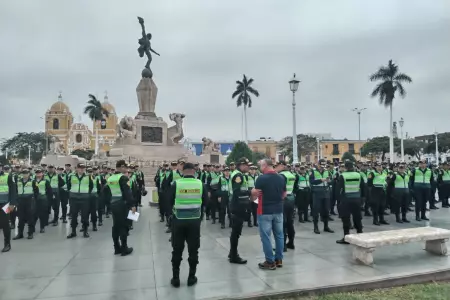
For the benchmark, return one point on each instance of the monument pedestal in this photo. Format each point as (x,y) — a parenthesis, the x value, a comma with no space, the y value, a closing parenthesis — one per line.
(146,92)
(151,132)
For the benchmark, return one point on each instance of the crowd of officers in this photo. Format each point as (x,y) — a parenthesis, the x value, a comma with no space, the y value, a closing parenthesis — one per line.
(88,191)
(349,190)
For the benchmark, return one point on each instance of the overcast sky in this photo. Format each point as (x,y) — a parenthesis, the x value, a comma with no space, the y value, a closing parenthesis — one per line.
(82,47)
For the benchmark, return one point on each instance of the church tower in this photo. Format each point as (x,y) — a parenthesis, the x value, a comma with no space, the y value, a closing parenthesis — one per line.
(106,136)
(58,120)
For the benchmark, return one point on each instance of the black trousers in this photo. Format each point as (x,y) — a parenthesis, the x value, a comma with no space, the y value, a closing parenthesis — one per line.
(213,205)
(4,224)
(303,200)
(400,201)
(160,203)
(13,216)
(26,214)
(422,194)
(321,205)
(224,209)
(41,211)
(64,198)
(444,191)
(185,231)
(55,203)
(77,206)
(100,207)
(237,221)
(252,212)
(107,200)
(288,220)
(120,224)
(377,202)
(93,207)
(139,196)
(333,198)
(208,207)
(350,207)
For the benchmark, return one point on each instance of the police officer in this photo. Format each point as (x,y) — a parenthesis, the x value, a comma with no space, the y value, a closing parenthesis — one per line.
(223,197)
(187,198)
(27,192)
(239,204)
(251,177)
(376,181)
(43,198)
(213,184)
(302,195)
(288,206)
(118,187)
(8,194)
(421,179)
(64,193)
(319,180)
(444,184)
(399,181)
(350,185)
(54,203)
(80,186)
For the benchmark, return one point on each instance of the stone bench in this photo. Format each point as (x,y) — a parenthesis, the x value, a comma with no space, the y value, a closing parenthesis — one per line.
(365,243)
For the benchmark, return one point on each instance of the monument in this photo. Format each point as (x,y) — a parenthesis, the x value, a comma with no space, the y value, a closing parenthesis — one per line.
(57,156)
(147,136)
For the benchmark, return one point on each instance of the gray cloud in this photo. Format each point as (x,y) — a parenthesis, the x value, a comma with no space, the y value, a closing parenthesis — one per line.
(84,47)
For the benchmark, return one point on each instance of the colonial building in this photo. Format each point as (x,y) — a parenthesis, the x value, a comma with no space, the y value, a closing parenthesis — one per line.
(334,149)
(77,136)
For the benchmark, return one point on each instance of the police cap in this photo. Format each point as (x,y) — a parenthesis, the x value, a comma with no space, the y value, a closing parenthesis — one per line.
(121,163)
(81,166)
(25,171)
(188,166)
(243,161)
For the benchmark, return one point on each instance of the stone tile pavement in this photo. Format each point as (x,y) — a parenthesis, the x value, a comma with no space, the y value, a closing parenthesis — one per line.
(51,267)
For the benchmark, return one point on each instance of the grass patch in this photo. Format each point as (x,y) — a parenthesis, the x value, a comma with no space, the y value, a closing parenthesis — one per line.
(431,291)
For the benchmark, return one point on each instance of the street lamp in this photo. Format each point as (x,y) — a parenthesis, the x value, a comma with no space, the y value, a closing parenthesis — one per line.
(293,84)
(437,151)
(358,111)
(29,155)
(402,122)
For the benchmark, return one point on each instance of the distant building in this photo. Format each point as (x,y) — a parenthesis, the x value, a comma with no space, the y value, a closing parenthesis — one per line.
(334,149)
(224,146)
(322,136)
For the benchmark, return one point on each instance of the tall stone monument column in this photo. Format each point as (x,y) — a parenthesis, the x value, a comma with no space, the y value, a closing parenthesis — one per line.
(146,94)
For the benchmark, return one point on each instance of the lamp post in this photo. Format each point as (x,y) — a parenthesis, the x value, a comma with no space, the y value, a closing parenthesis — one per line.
(29,155)
(358,111)
(402,122)
(437,151)
(293,84)
(318,150)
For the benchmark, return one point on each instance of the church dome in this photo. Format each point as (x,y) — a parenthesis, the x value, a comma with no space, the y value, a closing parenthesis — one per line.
(59,106)
(108,106)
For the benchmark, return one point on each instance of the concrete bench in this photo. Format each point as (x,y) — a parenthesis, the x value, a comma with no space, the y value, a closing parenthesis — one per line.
(365,243)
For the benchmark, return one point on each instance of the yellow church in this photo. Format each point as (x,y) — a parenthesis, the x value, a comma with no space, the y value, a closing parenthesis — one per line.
(59,123)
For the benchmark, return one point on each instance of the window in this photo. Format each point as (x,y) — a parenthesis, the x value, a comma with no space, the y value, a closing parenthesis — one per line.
(78,138)
(351,148)
(335,149)
(55,124)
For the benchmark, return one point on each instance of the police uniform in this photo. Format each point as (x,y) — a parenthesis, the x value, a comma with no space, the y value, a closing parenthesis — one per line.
(212,187)
(399,183)
(289,209)
(251,178)
(118,186)
(239,204)
(302,195)
(43,199)
(64,193)
(444,185)
(80,186)
(350,185)
(27,192)
(187,198)
(319,181)
(421,179)
(8,194)
(223,197)
(54,202)
(376,181)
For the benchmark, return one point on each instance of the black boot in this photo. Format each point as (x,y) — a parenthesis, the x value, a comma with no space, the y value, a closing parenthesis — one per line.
(30,236)
(73,234)
(42,230)
(85,232)
(18,236)
(398,219)
(192,279)
(161,219)
(316,227)
(383,221)
(175,281)
(375,220)
(7,247)
(404,219)
(326,228)
(300,218)
(126,250)
(94,227)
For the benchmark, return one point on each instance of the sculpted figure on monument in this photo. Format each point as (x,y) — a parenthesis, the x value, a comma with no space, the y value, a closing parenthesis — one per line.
(146,48)
(175,133)
(56,146)
(209,146)
(126,128)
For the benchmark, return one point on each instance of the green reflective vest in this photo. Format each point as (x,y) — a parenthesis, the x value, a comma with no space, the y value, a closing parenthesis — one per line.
(79,186)
(318,175)
(214,180)
(42,186)
(290,181)
(224,183)
(244,184)
(175,175)
(188,199)
(422,178)
(53,180)
(114,186)
(363,176)
(352,181)
(446,176)
(379,179)
(401,181)
(25,188)
(4,189)
(251,181)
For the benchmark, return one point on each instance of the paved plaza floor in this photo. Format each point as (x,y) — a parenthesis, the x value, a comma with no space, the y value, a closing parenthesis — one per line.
(52,267)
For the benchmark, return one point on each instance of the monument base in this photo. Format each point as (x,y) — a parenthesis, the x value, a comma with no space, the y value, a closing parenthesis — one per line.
(151,132)
(61,160)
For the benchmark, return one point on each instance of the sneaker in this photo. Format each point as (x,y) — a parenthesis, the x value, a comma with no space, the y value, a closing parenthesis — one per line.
(279,263)
(267,266)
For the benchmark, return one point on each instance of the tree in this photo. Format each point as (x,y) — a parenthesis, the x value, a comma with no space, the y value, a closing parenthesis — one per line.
(17,146)
(305,145)
(3,160)
(378,146)
(443,144)
(391,82)
(411,147)
(348,156)
(96,113)
(86,154)
(243,91)
(240,150)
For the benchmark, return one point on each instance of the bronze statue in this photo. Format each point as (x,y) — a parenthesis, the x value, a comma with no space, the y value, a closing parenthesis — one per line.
(145,48)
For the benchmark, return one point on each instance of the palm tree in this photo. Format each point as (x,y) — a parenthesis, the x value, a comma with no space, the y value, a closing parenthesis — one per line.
(391,82)
(243,90)
(96,113)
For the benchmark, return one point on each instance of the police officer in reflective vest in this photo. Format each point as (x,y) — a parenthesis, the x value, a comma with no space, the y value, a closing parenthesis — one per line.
(213,201)
(26,192)
(64,193)
(80,186)
(43,198)
(319,180)
(223,197)
(350,185)
(444,184)
(118,187)
(239,204)
(421,179)
(303,195)
(8,194)
(376,181)
(288,206)
(54,203)
(400,192)
(187,197)
(251,178)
